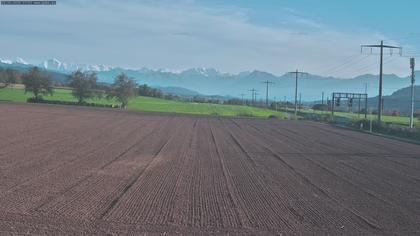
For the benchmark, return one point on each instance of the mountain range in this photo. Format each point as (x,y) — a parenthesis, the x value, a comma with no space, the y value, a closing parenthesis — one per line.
(210,81)
(399,100)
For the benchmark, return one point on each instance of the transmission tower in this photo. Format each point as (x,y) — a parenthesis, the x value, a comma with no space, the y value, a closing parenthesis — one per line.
(381,47)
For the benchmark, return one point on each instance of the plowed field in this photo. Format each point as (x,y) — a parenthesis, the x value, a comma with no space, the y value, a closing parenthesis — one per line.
(75,171)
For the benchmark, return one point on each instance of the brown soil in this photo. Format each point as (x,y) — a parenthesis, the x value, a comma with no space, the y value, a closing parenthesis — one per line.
(78,171)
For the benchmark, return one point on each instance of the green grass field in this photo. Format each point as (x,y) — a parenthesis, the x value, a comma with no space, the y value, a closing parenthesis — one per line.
(152,104)
(398,120)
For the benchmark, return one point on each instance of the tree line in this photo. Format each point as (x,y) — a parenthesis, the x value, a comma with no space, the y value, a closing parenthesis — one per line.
(9,76)
(84,85)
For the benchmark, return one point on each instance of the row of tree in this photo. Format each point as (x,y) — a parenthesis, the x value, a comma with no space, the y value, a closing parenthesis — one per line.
(9,76)
(84,85)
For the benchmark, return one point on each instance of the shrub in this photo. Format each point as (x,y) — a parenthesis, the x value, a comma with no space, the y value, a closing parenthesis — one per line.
(245,114)
(34,100)
(320,107)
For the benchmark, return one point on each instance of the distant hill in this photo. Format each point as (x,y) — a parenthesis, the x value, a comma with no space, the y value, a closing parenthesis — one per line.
(55,76)
(208,81)
(400,100)
(183,92)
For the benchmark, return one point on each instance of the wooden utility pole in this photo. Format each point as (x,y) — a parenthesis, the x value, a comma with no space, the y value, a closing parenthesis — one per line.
(381,62)
(297,73)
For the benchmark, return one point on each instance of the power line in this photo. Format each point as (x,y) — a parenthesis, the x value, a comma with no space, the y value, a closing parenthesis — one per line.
(326,67)
(381,46)
(344,65)
(358,68)
(367,68)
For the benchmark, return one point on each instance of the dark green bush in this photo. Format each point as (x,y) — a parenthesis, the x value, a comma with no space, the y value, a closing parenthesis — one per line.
(33,100)
(245,114)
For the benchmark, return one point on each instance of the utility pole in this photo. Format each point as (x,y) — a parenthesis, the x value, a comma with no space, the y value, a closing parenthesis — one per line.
(328,103)
(275,103)
(253,94)
(242,95)
(366,100)
(300,101)
(412,65)
(266,92)
(383,101)
(322,100)
(381,46)
(297,73)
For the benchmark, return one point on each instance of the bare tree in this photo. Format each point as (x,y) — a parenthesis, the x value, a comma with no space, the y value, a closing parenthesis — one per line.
(122,89)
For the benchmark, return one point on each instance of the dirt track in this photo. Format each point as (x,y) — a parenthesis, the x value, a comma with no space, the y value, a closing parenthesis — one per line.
(76,171)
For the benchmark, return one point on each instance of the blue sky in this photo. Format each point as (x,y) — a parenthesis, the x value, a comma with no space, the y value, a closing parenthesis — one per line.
(318,36)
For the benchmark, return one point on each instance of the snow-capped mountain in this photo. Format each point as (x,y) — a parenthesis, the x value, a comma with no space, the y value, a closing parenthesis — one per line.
(211,81)
(205,72)
(21,61)
(18,60)
(56,65)
(5,61)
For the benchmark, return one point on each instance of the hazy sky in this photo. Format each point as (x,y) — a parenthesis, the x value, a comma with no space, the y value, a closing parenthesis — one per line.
(277,36)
